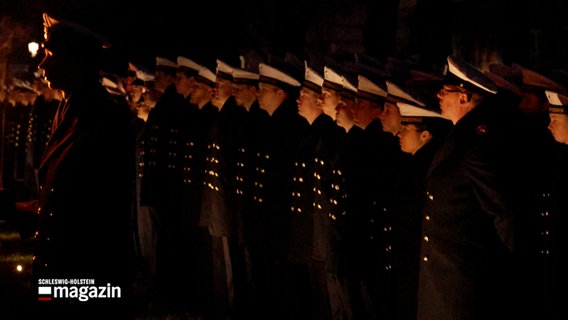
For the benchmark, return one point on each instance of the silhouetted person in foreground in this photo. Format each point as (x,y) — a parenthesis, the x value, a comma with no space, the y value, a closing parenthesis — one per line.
(82,230)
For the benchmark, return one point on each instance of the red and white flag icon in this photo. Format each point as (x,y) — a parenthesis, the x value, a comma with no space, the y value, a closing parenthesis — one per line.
(44,293)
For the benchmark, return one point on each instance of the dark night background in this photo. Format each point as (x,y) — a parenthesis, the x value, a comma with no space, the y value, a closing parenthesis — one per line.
(533,34)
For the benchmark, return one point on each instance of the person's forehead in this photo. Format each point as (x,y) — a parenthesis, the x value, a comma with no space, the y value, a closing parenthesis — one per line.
(347,99)
(242,85)
(559,116)
(223,81)
(160,72)
(202,85)
(329,91)
(390,105)
(182,74)
(263,85)
(364,102)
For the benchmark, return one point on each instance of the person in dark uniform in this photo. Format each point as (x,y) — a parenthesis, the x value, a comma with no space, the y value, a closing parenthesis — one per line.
(329,193)
(83,230)
(245,89)
(551,262)
(138,97)
(466,267)
(344,166)
(391,120)
(272,183)
(197,239)
(538,218)
(421,133)
(378,161)
(309,227)
(218,199)
(162,178)
(187,229)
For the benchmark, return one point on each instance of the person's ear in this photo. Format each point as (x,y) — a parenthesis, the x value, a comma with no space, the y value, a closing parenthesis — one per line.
(425,135)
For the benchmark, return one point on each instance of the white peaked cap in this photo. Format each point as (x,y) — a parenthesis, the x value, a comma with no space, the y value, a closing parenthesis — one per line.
(368,86)
(313,77)
(207,74)
(184,62)
(224,70)
(244,74)
(270,74)
(348,85)
(408,110)
(132,67)
(144,75)
(397,91)
(109,83)
(332,76)
(164,62)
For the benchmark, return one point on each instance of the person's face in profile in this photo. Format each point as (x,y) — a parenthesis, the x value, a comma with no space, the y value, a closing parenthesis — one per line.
(343,116)
(411,138)
(558,126)
(390,118)
(62,70)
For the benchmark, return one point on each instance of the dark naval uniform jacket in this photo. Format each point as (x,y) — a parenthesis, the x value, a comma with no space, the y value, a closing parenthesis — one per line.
(344,188)
(327,182)
(543,238)
(219,200)
(468,228)
(378,161)
(162,176)
(247,144)
(194,143)
(405,218)
(272,181)
(302,192)
(162,173)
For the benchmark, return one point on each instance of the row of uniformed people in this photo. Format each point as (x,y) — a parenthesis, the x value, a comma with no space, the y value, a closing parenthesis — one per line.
(322,219)
(290,224)
(27,109)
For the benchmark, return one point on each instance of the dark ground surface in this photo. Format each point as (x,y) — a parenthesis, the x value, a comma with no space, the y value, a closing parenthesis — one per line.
(14,284)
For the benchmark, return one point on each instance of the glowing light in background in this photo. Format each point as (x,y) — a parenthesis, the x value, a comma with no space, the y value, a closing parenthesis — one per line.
(33,47)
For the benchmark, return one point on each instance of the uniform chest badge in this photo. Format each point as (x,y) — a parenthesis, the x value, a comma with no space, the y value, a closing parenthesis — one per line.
(481,129)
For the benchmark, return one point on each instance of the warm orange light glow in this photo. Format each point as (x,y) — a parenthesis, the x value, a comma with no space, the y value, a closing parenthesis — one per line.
(33,47)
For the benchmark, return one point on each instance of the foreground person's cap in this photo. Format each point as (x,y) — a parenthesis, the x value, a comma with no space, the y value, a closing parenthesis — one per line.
(63,36)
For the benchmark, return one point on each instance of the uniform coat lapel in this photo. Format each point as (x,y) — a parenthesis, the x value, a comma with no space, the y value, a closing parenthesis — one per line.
(63,136)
